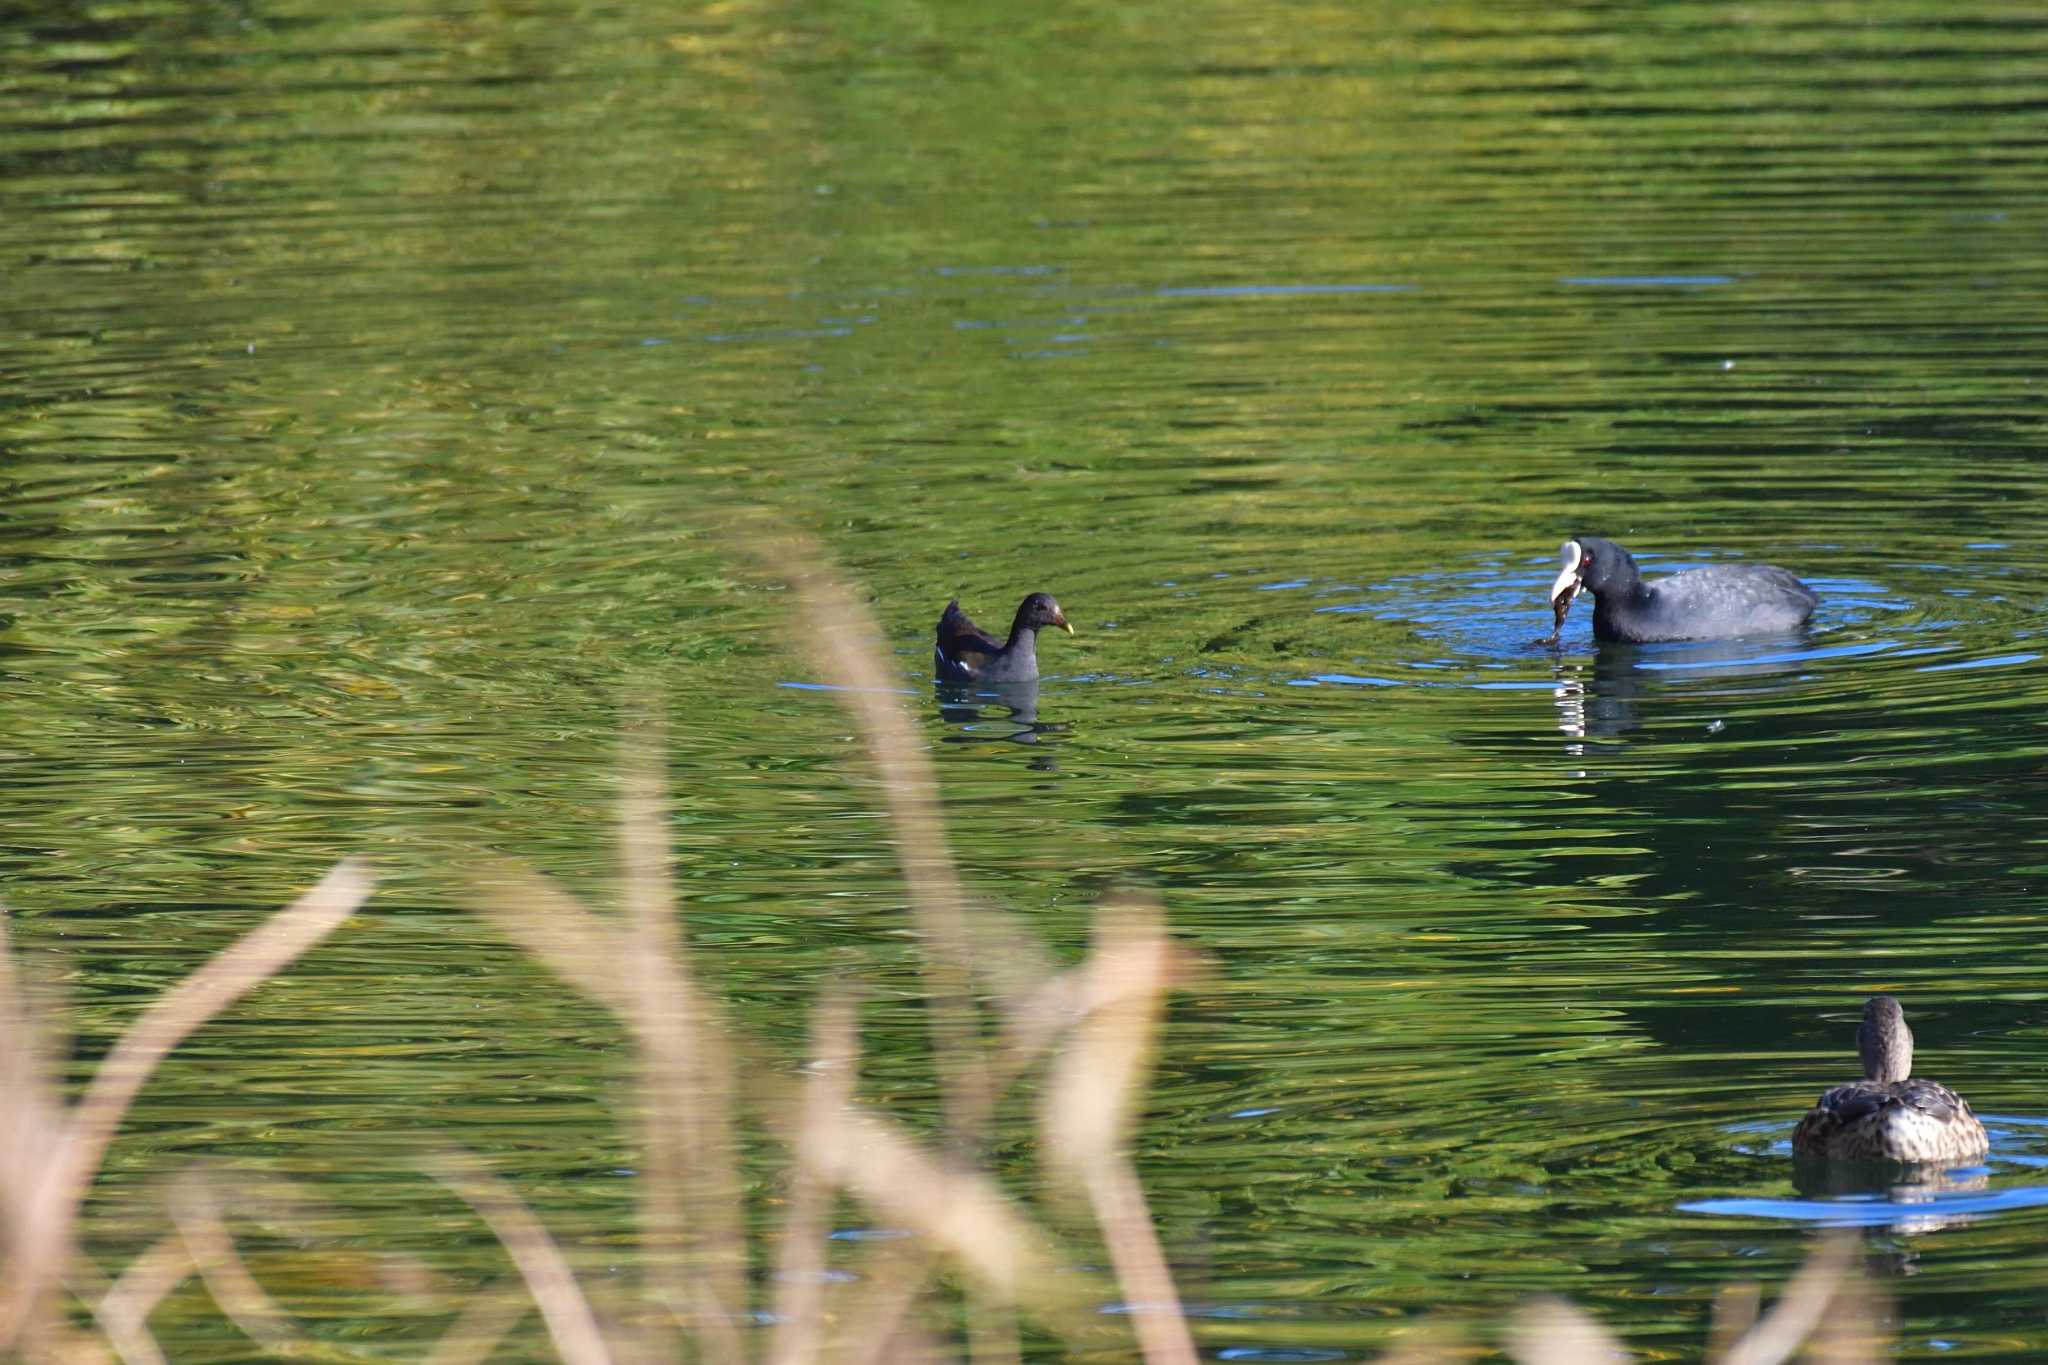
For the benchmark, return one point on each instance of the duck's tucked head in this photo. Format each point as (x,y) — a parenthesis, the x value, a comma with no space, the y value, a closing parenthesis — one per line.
(1884,1042)
(1038,611)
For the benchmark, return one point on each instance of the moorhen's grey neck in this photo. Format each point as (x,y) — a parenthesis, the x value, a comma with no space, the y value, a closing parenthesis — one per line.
(1889,1115)
(964,652)
(1718,602)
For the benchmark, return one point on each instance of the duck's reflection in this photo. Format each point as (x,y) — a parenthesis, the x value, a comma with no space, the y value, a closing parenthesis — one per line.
(1898,1182)
(1597,698)
(1915,1190)
(1000,711)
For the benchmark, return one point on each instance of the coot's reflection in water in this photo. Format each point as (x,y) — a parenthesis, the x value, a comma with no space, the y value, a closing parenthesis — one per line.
(1598,698)
(1001,711)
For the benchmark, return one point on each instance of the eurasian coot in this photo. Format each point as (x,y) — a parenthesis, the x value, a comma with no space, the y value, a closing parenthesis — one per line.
(1713,603)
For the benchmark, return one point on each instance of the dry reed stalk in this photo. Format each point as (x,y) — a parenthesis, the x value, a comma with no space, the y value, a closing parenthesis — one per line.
(843,636)
(691,1196)
(844,639)
(800,1268)
(489,1317)
(959,1212)
(955,1210)
(1008,964)
(123,1310)
(30,1124)
(1090,1099)
(45,1222)
(667,1084)
(571,1324)
(1434,1348)
(483,1325)
(1035,1020)
(1858,1327)
(1550,1331)
(195,1212)
(690,1190)
(555,929)
(1823,1284)
(1735,1312)
(895,1275)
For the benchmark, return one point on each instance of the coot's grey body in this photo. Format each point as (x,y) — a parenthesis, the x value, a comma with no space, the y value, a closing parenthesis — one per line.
(1714,603)
(964,652)
(1890,1115)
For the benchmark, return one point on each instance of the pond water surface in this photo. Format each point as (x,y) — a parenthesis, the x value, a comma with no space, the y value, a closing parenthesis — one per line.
(377,389)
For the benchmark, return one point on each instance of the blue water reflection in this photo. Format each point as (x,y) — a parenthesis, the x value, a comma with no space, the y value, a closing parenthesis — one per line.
(1907,1198)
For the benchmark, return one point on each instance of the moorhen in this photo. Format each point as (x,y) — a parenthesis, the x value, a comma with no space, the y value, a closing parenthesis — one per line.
(965,652)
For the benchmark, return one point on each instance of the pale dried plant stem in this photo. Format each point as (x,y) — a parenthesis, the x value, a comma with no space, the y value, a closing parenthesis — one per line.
(1141,1269)
(992,1336)
(1089,1100)
(1858,1326)
(844,634)
(685,1086)
(571,1324)
(555,928)
(1818,1286)
(196,1213)
(46,1227)
(690,1189)
(123,1310)
(1037,1020)
(1735,1312)
(30,1123)
(668,1116)
(485,1321)
(960,1212)
(895,1276)
(845,637)
(800,1268)
(1549,1331)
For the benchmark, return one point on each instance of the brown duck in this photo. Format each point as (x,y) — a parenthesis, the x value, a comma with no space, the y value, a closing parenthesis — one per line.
(1889,1115)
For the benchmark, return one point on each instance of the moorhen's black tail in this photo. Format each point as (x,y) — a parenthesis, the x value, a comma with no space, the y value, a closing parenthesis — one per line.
(962,648)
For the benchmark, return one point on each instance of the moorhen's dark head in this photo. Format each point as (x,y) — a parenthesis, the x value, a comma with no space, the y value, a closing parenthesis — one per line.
(1588,564)
(1038,611)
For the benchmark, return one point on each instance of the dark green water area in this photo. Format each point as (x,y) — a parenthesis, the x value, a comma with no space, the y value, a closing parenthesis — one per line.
(378,384)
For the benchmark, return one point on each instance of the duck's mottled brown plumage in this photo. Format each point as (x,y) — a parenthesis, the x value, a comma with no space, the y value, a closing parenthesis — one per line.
(1890,1115)
(964,652)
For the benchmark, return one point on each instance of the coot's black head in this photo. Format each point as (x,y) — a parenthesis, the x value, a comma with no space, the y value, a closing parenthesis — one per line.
(1590,564)
(1038,611)
(1583,563)
(1604,566)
